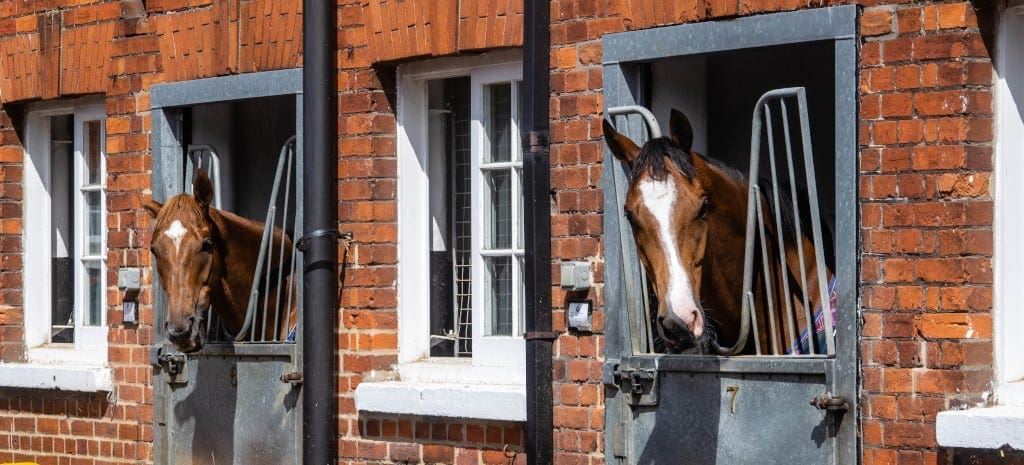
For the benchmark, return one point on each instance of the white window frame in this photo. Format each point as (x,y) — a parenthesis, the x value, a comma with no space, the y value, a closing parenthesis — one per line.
(1003,424)
(491,383)
(90,342)
(489,349)
(1009,211)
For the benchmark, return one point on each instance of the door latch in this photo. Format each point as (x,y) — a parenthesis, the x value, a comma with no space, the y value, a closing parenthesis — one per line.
(640,385)
(175,365)
(831,403)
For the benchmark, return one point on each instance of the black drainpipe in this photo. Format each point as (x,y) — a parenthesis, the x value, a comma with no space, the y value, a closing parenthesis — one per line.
(537,183)
(319,245)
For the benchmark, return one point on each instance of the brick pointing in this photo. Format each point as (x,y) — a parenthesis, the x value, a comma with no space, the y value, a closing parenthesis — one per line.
(925,154)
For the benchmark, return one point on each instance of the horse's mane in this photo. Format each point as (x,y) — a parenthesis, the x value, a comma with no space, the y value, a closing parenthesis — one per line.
(652,157)
(179,207)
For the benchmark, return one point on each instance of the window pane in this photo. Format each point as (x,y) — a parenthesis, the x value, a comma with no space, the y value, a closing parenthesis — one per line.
(500,271)
(94,222)
(62,270)
(517,199)
(499,121)
(93,163)
(93,298)
(521,293)
(500,185)
(62,299)
(519,118)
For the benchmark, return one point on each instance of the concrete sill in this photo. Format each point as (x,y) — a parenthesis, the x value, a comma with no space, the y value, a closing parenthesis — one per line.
(452,400)
(981,428)
(75,378)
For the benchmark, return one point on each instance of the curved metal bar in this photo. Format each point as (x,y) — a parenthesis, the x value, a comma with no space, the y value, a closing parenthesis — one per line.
(819,254)
(652,123)
(627,276)
(642,327)
(798,230)
(281,249)
(214,170)
(753,196)
(264,247)
(786,303)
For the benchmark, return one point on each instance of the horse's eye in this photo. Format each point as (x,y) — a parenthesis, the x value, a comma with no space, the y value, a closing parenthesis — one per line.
(703,213)
(207,245)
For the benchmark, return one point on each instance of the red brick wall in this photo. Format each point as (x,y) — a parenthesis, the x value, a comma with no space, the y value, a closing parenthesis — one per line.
(926,216)
(925,159)
(926,219)
(375,32)
(400,29)
(94,49)
(113,48)
(577,151)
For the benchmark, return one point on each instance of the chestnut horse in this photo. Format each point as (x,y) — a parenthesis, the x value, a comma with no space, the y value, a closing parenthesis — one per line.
(688,215)
(206,256)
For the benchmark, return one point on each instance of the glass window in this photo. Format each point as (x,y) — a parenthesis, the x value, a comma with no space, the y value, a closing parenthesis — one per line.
(461,180)
(66,247)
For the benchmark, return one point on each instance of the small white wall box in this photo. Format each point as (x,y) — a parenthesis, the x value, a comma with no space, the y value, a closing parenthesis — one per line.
(576,276)
(580,315)
(129,280)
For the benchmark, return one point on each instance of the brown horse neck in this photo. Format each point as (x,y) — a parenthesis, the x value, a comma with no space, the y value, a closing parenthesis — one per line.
(728,196)
(229,292)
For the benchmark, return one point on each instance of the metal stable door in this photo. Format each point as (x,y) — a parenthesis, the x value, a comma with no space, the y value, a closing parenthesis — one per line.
(237,400)
(701,409)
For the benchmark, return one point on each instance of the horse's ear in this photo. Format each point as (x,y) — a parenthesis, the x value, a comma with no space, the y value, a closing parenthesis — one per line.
(680,129)
(621,146)
(202,189)
(153,207)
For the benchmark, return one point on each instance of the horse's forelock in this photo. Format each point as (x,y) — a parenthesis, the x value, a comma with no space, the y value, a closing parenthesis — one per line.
(652,159)
(180,207)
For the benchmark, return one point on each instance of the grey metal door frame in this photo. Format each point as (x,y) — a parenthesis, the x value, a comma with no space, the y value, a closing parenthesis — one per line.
(168,179)
(633,376)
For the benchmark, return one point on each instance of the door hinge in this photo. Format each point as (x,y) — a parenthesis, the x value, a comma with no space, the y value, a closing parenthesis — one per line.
(638,385)
(831,403)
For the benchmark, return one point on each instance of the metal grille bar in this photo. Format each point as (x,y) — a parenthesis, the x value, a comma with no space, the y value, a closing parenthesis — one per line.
(273,293)
(640,321)
(777,273)
(206,157)
(263,299)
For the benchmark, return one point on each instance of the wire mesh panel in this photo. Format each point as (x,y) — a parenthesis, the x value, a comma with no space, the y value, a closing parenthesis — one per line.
(462,238)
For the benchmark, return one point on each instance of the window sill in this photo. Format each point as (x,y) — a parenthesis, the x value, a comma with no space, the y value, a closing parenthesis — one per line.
(981,428)
(454,400)
(77,378)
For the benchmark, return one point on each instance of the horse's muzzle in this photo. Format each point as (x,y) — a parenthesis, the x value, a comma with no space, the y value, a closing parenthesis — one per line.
(675,334)
(190,339)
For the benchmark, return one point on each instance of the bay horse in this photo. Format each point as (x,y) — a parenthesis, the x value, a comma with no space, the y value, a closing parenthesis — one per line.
(688,216)
(206,256)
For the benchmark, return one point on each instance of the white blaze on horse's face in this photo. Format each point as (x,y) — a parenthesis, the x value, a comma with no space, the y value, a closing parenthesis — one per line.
(176,232)
(659,198)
